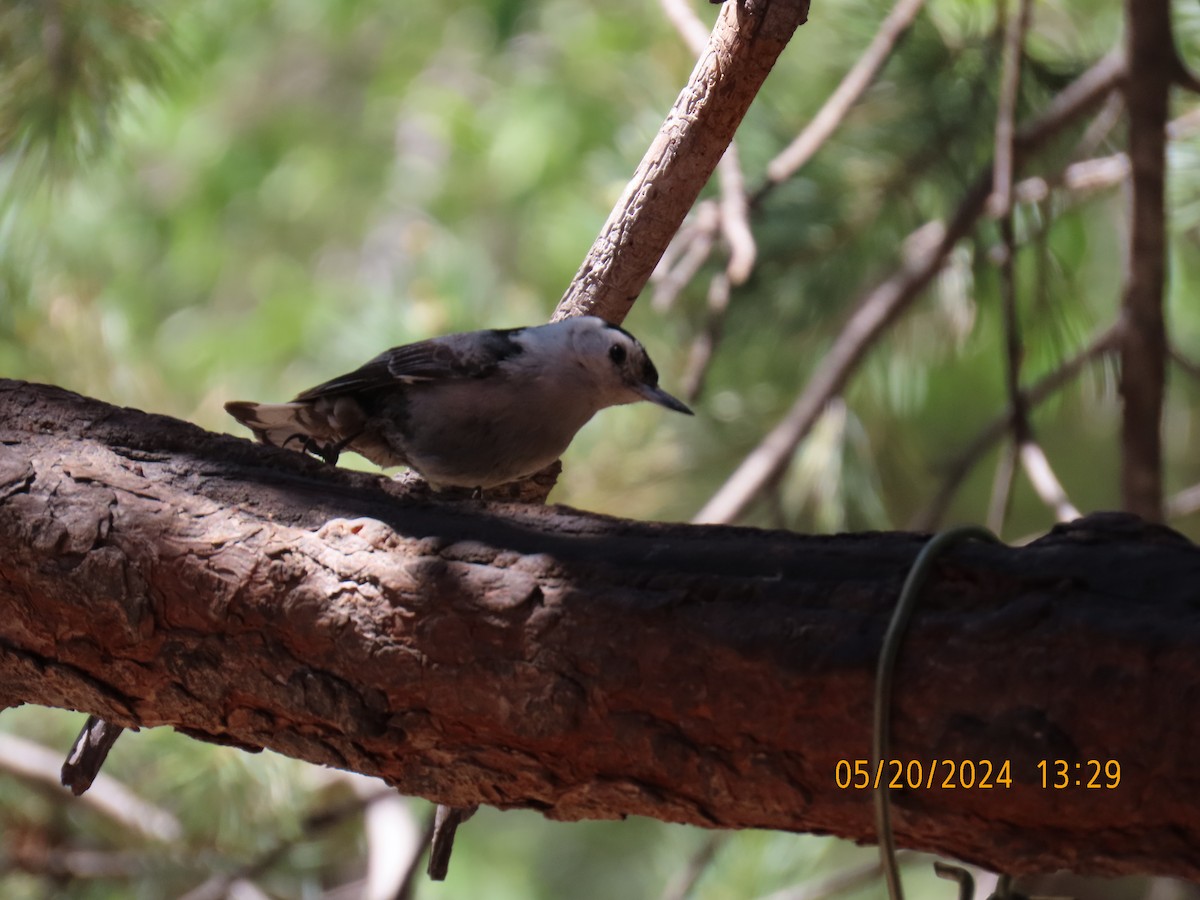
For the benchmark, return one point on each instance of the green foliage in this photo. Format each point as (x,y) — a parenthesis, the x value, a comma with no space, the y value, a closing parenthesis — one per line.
(65,66)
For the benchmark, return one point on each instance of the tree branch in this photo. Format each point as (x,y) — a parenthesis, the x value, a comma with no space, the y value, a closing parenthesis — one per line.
(884,303)
(1152,68)
(588,667)
(840,102)
(748,38)
(108,796)
(931,516)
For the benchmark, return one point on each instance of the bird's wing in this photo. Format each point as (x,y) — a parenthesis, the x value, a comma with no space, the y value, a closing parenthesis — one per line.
(455,356)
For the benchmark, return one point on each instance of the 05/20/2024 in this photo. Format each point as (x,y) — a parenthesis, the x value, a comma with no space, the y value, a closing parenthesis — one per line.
(983,774)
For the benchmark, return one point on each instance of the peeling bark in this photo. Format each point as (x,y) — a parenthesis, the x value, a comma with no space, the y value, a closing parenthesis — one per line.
(522,656)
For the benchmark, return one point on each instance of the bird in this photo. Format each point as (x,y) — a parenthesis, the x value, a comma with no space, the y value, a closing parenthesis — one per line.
(470,410)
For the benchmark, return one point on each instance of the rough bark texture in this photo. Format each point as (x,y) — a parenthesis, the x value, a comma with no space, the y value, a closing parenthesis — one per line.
(748,38)
(155,574)
(1150,48)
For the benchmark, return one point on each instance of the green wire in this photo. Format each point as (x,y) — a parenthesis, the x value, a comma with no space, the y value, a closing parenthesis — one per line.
(916,579)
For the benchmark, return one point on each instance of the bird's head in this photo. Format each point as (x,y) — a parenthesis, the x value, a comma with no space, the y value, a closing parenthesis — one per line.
(617,363)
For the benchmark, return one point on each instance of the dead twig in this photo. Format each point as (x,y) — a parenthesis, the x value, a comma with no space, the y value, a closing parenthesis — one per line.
(441,843)
(930,517)
(1004,164)
(840,882)
(704,345)
(88,753)
(1002,485)
(108,797)
(218,885)
(688,252)
(1045,483)
(788,162)
(733,219)
(681,886)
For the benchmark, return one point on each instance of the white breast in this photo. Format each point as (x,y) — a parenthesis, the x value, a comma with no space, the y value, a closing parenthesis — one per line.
(489,432)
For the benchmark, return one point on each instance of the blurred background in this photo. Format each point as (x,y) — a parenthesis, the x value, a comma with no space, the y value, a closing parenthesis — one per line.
(207,201)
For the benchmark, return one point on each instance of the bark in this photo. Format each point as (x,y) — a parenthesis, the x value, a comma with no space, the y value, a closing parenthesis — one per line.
(748,38)
(1153,65)
(524,656)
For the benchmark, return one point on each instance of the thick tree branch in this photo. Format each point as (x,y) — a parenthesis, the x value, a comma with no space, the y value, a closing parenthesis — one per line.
(525,656)
(748,38)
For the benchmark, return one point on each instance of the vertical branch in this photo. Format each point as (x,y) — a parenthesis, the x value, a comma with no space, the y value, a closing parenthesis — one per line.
(1001,206)
(1002,485)
(1026,449)
(1006,117)
(1152,63)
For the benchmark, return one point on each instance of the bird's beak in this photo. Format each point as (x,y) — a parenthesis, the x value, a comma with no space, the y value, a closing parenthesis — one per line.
(655,394)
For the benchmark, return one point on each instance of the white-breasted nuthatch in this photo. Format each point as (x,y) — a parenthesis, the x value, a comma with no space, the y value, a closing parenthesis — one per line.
(471,410)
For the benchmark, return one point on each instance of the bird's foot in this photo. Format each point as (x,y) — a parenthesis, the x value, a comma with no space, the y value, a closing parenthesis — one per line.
(308,444)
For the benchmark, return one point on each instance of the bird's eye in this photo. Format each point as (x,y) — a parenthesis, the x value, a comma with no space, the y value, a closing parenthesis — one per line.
(616,353)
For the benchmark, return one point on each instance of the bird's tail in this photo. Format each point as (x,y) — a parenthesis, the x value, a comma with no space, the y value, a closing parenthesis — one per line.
(279,424)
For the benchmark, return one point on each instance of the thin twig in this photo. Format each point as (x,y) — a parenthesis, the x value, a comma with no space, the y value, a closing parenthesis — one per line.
(1031,455)
(681,14)
(1045,483)
(395,838)
(60,865)
(1014,348)
(408,887)
(853,85)
(1002,485)
(681,886)
(688,252)
(734,207)
(735,218)
(107,796)
(1100,128)
(1081,178)
(1000,203)
(1001,206)
(705,343)
(839,883)
(930,517)
(883,304)
(1087,176)
(1189,366)
(1184,503)
(217,886)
